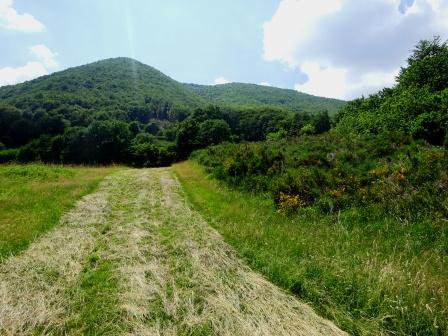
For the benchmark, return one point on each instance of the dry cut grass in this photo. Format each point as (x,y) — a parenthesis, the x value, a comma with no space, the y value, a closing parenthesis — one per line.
(182,278)
(135,259)
(33,285)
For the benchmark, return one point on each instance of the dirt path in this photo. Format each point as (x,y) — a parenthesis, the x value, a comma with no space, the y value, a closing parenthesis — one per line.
(134,259)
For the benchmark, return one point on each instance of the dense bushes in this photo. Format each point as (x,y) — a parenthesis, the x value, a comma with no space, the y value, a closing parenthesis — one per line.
(8,155)
(402,177)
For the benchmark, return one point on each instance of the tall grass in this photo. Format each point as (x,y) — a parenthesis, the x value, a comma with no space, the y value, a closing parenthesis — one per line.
(33,198)
(370,273)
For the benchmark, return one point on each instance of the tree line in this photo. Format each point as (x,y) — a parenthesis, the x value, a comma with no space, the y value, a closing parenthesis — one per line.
(139,136)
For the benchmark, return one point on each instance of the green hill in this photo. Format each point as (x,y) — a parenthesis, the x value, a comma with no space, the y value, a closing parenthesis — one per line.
(250,95)
(119,84)
(113,85)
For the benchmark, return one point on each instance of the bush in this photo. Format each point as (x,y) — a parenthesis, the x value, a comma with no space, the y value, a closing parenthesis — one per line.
(8,155)
(331,172)
(307,130)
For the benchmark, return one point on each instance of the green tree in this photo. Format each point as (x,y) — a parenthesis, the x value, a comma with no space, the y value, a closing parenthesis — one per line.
(152,128)
(51,124)
(107,141)
(134,127)
(416,106)
(323,123)
(427,66)
(212,132)
(187,137)
(21,132)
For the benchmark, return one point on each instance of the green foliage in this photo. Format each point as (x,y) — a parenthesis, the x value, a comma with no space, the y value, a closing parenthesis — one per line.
(213,132)
(417,105)
(431,126)
(212,125)
(152,128)
(40,149)
(330,172)
(427,66)
(119,85)
(8,155)
(274,136)
(134,127)
(257,96)
(308,129)
(147,151)
(108,141)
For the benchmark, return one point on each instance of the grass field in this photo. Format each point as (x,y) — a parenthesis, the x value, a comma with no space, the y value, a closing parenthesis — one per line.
(370,275)
(133,258)
(33,198)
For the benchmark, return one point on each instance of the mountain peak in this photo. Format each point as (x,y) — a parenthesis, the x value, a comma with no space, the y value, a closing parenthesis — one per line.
(124,81)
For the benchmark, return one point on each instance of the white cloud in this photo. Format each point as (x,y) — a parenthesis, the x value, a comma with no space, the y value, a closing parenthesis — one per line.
(327,82)
(45,61)
(335,83)
(265,83)
(221,80)
(11,19)
(9,76)
(347,48)
(45,55)
(292,24)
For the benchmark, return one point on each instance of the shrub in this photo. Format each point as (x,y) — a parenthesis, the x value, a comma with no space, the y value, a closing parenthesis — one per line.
(332,172)
(8,155)
(289,203)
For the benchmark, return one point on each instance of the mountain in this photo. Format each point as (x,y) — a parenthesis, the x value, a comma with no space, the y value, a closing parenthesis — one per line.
(109,85)
(241,95)
(116,85)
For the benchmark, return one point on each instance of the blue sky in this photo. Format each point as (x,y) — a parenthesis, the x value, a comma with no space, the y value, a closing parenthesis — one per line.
(334,48)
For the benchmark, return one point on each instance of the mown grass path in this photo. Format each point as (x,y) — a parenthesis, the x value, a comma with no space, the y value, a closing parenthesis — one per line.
(133,258)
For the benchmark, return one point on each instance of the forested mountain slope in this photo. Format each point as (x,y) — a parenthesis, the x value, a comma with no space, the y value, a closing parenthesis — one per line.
(113,85)
(240,94)
(119,84)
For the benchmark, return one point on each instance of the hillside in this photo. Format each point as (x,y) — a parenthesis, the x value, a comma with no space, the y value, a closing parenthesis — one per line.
(109,85)
(119,84)
(240,94)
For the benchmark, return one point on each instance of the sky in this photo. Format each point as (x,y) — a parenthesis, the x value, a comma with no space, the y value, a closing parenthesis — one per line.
(332,48)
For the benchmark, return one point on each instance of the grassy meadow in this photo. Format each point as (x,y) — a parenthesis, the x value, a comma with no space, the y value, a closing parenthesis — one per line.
(371,274)
(33,198)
